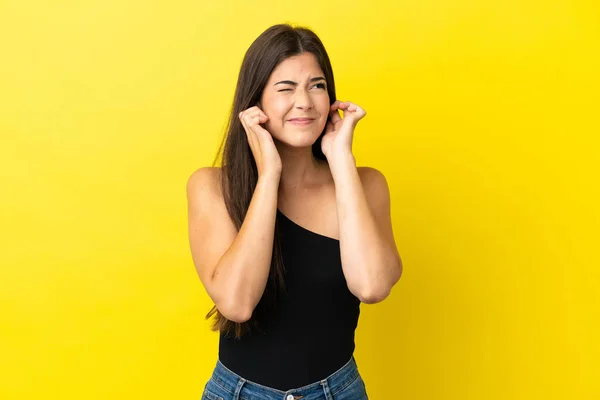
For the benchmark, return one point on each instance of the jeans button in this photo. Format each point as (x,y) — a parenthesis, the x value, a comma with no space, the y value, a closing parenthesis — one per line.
(289,397)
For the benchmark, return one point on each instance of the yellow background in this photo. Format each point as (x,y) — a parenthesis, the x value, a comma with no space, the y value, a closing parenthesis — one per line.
(482,114)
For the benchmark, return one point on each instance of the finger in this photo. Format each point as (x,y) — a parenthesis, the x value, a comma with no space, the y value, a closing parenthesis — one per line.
(344,105)
(329,127)
(243,122)
(261,114)
(260,134)
(253,121)
(354,110)
(252,140)
(262,118)
(252,110)
(249,112)
(334,116)
(255,112)
(252,118)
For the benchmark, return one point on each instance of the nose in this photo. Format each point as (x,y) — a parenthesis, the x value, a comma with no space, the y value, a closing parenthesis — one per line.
(303,100)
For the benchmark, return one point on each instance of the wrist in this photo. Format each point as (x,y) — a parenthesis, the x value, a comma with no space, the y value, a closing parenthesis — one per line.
(342,161)
(269,178)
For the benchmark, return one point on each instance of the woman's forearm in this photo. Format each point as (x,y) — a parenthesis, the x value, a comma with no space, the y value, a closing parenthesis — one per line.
(371,265)
(242,272)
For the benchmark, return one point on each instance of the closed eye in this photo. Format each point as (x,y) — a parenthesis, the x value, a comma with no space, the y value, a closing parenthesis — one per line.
(318,86)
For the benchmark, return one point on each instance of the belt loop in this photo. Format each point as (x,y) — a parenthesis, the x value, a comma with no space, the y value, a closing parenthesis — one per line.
(238,388)
(326,390)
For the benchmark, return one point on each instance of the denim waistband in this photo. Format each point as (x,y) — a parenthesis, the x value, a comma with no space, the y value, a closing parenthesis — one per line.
(334,383)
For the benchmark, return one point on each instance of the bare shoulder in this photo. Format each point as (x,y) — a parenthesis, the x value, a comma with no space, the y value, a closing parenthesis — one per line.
(376,189)
(205,197)
(374,183)
(204,182)
(370,173)
(211,230)
(377,192)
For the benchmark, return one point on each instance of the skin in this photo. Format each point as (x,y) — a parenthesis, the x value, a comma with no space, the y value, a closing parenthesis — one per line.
(297,89)
(334,198)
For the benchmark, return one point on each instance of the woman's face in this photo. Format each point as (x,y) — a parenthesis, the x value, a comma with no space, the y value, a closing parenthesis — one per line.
(296,101)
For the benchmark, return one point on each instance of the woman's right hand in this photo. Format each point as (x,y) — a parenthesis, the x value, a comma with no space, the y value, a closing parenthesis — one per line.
(266,156)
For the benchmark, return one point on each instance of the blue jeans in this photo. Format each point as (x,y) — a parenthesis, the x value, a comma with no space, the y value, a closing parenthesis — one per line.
(344,384)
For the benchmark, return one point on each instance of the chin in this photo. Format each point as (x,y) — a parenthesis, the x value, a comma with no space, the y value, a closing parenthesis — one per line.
(298,138)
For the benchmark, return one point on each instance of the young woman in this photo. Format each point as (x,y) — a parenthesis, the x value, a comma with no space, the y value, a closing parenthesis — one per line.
(289,236)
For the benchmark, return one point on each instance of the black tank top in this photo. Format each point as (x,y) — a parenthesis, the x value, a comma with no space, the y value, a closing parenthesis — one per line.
(310,333)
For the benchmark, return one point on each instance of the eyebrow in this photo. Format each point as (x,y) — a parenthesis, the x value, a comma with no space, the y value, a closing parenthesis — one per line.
(319,78)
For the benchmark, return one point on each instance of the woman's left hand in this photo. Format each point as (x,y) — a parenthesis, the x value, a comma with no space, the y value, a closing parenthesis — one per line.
(337,140)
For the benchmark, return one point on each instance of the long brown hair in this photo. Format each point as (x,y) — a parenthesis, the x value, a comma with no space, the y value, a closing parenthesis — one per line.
(239,173)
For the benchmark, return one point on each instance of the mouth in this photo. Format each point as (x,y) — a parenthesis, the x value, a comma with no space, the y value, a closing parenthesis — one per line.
(301,121)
